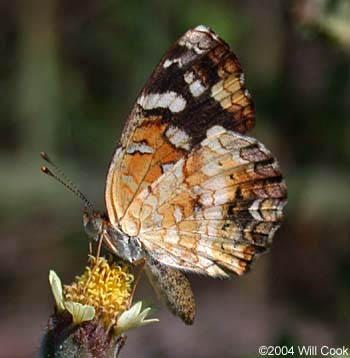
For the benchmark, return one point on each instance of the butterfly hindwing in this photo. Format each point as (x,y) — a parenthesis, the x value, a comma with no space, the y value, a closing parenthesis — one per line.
(215,208)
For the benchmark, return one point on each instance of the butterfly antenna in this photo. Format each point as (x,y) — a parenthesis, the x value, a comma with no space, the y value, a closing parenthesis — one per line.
(62,178)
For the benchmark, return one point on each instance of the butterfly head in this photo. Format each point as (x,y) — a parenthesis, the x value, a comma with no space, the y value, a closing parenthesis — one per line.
(94,223)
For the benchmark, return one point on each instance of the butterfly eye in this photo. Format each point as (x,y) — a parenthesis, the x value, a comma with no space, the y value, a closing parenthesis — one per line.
(92,225)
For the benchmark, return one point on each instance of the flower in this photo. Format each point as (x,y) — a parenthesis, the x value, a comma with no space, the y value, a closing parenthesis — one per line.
(92,313)
(102,292)
(104,286)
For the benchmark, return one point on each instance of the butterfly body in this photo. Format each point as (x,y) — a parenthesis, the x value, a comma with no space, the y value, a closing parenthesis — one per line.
(128,248)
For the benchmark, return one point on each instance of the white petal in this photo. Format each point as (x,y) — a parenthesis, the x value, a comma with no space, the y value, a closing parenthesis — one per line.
(133,318)
(144,313)
(57,291)
(80,312)
(148,321)
(130,315)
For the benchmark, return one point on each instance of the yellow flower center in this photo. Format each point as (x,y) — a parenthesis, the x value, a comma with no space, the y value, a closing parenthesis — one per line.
(105,286)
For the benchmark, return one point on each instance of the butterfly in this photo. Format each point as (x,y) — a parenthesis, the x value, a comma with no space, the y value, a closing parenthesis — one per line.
(187,191)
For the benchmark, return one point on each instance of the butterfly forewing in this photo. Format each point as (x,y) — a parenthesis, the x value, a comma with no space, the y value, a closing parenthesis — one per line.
(198,84)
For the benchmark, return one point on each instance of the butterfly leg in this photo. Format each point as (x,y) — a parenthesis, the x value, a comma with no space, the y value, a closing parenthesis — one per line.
(141,262)
(90,247)
(173,288)
(98,251)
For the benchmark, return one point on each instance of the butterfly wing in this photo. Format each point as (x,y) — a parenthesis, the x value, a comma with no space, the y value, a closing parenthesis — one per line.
(215,208)
(198,83)
(199,196)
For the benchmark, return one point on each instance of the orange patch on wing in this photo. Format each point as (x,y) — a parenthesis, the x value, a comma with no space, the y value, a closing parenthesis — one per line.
(165,154)
(141,169)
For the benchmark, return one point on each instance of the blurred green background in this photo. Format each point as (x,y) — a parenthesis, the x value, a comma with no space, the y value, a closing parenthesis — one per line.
(69,74)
